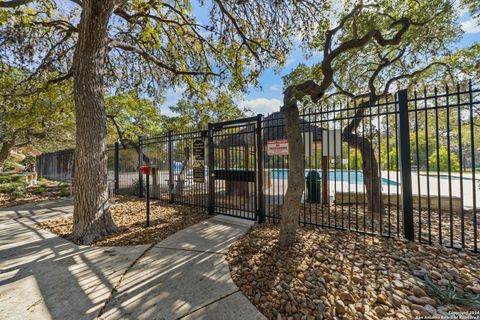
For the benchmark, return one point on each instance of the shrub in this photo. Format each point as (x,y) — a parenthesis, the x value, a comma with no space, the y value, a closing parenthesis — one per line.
(7,178)
(443,160)
(64,190)
(133,189)
(12,187)
(64,193)
(40,189)
(17,194)
(9,165)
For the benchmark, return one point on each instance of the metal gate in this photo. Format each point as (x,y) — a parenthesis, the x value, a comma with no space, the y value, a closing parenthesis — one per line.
(235,169)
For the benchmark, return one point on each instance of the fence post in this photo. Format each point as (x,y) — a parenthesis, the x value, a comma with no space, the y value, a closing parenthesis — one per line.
(116,169)
(171,175)
(140,163)
(405,166)
(211,171)
(261,204)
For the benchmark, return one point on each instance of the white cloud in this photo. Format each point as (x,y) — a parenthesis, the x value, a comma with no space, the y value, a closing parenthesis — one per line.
(470,26)
(262,105)
(289,61)
(276,87)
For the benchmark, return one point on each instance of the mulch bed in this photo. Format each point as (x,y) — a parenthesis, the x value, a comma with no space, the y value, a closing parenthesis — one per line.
(330,273)
(129,214)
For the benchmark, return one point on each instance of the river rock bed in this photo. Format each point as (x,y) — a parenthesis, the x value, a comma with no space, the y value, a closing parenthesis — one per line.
(330,273)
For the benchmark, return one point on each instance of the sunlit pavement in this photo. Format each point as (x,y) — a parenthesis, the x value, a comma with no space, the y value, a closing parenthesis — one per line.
(185,276)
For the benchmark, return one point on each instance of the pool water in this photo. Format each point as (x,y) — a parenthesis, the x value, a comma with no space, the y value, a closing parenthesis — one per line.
(352,177)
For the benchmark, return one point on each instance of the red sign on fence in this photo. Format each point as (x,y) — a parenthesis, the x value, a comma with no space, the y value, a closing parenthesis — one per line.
(277,147)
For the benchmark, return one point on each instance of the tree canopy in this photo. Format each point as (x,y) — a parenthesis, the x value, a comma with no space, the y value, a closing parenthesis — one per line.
(43,120)
(153,45)
(368,50)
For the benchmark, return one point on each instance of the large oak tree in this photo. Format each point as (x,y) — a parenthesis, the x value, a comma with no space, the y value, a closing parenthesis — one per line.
(368,50)
(146,45)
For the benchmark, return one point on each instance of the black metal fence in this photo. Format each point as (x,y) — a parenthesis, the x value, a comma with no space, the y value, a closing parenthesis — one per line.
(421,147)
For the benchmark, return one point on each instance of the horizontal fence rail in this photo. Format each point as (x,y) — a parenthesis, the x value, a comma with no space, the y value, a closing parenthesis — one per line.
(403,166)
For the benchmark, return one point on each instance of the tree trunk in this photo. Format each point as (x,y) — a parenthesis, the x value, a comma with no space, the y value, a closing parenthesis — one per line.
(296,162)
(296,173)
(91,216)
(7,146)
(371,174)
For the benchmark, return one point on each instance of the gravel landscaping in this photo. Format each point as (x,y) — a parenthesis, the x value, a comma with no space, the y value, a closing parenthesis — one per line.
(353,217)
(129,214)
(330,273)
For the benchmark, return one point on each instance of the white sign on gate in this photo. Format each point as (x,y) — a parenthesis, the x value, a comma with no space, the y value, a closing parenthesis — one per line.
(277,147)
(332,142)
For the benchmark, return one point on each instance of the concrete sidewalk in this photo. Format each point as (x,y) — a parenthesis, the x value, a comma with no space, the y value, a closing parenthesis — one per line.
(185,276)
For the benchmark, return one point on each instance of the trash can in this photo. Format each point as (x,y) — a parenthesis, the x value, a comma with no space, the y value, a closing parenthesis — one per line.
(314,187)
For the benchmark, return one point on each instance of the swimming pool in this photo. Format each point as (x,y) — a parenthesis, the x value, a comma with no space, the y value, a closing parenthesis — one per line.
(351,176)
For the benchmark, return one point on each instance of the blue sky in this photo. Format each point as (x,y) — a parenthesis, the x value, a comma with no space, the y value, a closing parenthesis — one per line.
(267,98)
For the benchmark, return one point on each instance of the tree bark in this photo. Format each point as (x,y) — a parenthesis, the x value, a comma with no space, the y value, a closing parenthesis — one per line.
(296,166)
(371,174)
(296,173)
(370,168)
(91,216)
(7,146)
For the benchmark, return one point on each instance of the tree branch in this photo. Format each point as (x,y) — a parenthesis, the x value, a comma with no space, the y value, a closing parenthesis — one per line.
(242,35)
(148,57)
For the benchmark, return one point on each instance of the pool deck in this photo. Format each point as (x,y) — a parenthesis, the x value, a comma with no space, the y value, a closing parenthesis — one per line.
(426,185)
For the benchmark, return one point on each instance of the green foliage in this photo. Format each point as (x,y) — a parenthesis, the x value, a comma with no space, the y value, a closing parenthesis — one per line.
(42,188)
(64,190)
(7,178)
(18,193)
(198,110)
(130,115)
(422,56)
(451,295)
(29,160)
(44,118)
(9,164)
(443,160)
(158,45)
(393,160)
(133,189)
(473,7)
(13,187)
(355,160)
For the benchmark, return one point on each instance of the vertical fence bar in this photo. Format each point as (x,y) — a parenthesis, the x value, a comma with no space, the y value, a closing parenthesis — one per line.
(170,167)
(437,144)
(140,163)
(405,166)
(211,173)
(472,151)
(116,163)
(460,159)
(261,204)
(148,196)
(450,202)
